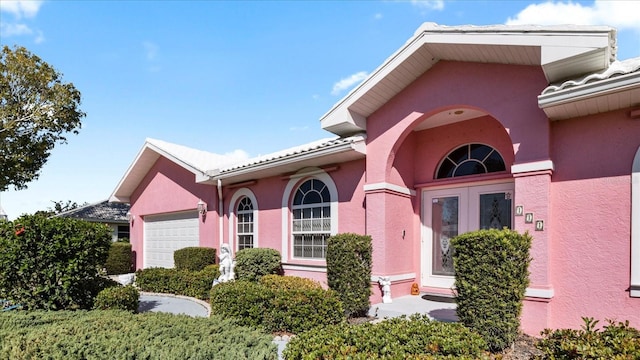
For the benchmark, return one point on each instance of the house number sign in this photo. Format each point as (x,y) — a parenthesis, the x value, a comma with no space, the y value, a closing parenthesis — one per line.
(539,225)
(528,218)
(519,210)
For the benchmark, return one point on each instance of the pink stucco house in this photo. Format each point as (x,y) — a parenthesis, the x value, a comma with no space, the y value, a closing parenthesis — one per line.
(462,128)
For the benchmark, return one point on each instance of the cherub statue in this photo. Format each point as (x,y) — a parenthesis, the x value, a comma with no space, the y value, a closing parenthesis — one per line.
(226,265)
(385,283)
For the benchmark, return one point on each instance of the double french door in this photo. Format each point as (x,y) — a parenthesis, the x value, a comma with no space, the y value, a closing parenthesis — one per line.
(453,211)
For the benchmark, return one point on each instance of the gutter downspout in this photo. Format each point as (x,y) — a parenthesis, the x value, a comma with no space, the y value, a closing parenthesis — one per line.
(220,213)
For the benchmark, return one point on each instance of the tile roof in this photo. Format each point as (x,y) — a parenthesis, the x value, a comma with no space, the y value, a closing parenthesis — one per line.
(617,68)
(198,159)
(293,152)
(103,211)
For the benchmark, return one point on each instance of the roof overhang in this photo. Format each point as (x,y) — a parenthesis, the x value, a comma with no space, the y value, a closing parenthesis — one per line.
(562,51)
(142,164)
(616,88)
(289,161)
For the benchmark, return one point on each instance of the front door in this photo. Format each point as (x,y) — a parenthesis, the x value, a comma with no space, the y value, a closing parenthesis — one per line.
(450,212)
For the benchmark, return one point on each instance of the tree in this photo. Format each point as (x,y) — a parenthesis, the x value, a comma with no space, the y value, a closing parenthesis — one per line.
(59,207)
(37,110)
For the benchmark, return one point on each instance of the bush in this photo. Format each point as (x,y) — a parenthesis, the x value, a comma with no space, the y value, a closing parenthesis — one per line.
(278,282)
(119,259)
(275,305)
(615,341)
(245,301)
(297,311)
(416,337)
(113,334)
(52,263)
(491,271)
(254,263)
(349,258)
(194,258)
(195,284)
(118,298)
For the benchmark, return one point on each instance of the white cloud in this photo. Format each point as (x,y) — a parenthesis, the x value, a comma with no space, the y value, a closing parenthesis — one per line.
(619,14)
(21,8)
(377,16)
(429,4)
(14,30)
(150,49)
(348,82)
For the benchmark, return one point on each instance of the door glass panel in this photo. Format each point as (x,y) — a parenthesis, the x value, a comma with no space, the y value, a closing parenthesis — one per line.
(495,211)
(445,227)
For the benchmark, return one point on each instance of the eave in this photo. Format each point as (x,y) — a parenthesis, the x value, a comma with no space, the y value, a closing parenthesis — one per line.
(561,51)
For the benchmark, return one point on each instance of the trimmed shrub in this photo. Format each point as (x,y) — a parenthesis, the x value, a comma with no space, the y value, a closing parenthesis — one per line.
(245,301)
(118,298)
(254,263)
(113,334)
(614,341)
(194,258)
(195,284)
(52,263)
(278,282)
(119,259)
(416,337)
(213,270)
(297,311)
(349,258)
(274,305)
(491,272)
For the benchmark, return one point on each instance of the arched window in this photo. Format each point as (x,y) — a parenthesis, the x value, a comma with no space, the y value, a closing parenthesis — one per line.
(470,159)
(244,227)
(311,226)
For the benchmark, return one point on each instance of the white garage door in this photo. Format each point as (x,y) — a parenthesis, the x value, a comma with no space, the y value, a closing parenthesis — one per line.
(164,234)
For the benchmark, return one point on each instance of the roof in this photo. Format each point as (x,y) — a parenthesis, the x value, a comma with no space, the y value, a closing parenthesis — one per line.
(616,87)
(322,152)
(208,168)
(103,211)
(562,52)
(195,161)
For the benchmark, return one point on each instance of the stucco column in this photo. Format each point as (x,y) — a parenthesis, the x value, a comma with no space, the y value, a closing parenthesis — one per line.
(533,215)
(390,219)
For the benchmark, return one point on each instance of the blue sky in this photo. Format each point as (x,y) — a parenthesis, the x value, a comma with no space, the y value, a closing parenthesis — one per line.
(222,76)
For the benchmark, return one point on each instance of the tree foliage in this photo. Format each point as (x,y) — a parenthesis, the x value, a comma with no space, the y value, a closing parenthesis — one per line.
(37,110)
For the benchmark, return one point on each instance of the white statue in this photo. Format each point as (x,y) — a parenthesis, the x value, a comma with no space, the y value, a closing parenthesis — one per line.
(226,265)
(385,283)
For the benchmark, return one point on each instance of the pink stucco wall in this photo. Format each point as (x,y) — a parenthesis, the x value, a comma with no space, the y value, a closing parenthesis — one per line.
(591,201)
(169,188)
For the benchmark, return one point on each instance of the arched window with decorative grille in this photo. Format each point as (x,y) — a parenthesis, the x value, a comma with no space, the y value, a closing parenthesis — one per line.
(311,219)
(244,223)
(470,159)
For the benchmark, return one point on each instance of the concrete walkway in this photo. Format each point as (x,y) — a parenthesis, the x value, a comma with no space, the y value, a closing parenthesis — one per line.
(437,308)
(173,304)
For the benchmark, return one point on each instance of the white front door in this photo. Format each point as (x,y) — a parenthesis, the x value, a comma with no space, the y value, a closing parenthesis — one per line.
(450,212)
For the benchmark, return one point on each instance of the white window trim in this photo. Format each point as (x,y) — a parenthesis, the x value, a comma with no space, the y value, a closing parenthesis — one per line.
(635,226)
(294,182)
(242,192)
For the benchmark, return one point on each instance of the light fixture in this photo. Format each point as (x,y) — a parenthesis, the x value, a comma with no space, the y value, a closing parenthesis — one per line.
(202,207)
(130,216)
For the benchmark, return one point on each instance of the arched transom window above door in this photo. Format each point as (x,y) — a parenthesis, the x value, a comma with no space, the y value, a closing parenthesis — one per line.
(470,159)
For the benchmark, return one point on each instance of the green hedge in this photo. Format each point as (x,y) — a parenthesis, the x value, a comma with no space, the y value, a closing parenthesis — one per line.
(194,258)
(254,263)
(112,334)
(119,259)
(614,341)
(491,272)
(349,259)
(118,298)
(415,337)
(195,284)
(274,305)
(52,263)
